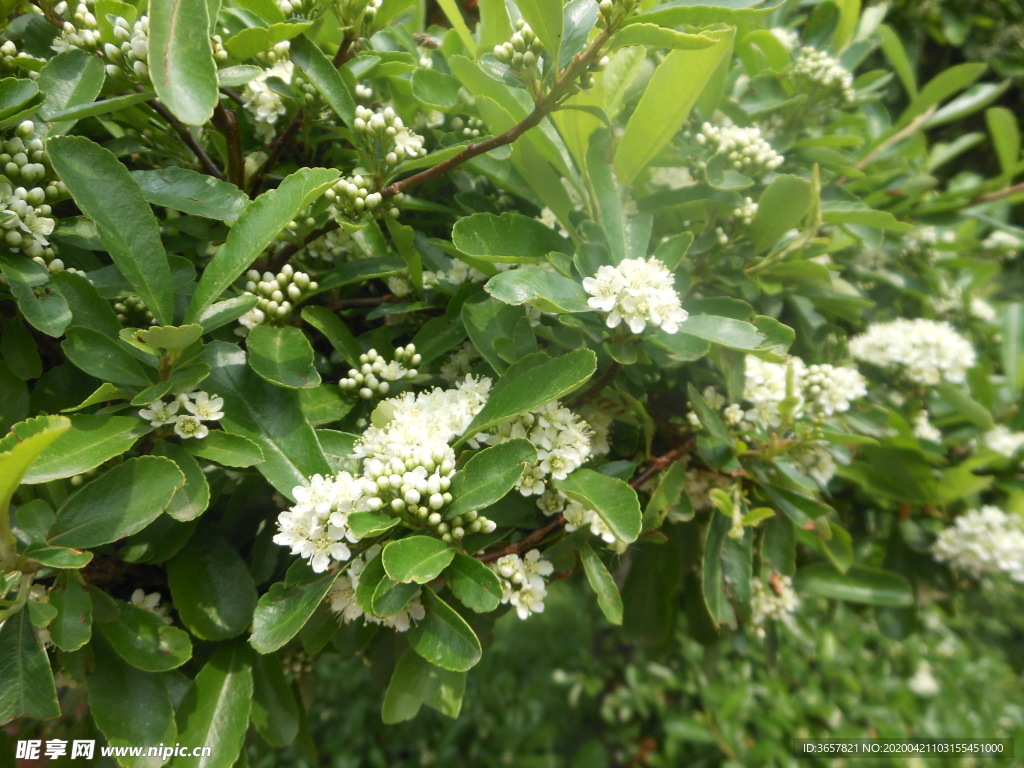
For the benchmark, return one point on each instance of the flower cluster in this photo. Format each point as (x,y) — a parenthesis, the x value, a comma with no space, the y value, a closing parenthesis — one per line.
(924,429)
(522,51)
(613,11)
(374,373)
(131,53)
(982,542)
(336,245)
(578,516)
(744,148)
(265,103)
(823,76)
(469,127)
(13,61)
(460,273)
(460,362)
(352,197)
(132,312)
(393,141)
(745,212)
(406,470)
(562,440)
(820,390)
(639,291)
(80,29)
(776,603)
(342,598)
(522,581)
(199,407)
(274,294)
(25,221)
(296,8)
(924,351)
(1008,246)
(1003,441)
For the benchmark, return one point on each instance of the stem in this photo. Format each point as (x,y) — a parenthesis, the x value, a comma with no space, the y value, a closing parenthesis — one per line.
(228,122)
(283,140)
(660,463)
(186,136)
(527,542)
(897,137)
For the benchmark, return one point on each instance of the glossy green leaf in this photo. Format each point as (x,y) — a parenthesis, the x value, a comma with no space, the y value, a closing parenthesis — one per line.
(474,584)
(1002,125)
(215,710)
(26,682)
(190,501)
(114,506)
(545,17)
(192,192)
(684,74)
(68,80)
(697,13)
(781,207)
(275,712)
(72,627)
(319,70)
(860,584)
(145,640)
(612,499)
(416,558)
(364,524)
(181,63)
(224,312)
(660,37)
(251,41)
(522,391)
(443,637)
(540,288)
(20,449)
(390,596)
(735,334)
(608,598)
(507,238)
(256,228)
(226,449)
(487,321)
(415,683)
(436,88)
(489,475)
(105,358)
(129,230)
(211,588)
(92,440)
(282,355)
(285,608)
(335,331)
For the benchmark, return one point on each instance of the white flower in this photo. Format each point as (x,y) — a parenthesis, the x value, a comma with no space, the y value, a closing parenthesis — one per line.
(923,683)
(816,70)
(150,602)
(205,407)
(984,542)
(1001,440)
(522,581)
(342,598)
(924,429)
(639,291)
(190,426)
(316,526)
(160,413)
(777,603)
(263,103)
(744,149)
(924,351)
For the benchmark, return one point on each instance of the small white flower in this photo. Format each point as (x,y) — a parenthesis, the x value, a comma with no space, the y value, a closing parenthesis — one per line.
(190,426)
(205,407)
(160,413)
(925,351)
(638,291)
(982,542)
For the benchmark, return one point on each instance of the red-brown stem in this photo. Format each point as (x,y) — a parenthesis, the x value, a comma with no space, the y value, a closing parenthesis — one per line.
(527,542)
(186,135)
(660,463)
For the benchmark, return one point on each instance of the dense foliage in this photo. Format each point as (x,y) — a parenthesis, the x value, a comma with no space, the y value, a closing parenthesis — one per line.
(331,332)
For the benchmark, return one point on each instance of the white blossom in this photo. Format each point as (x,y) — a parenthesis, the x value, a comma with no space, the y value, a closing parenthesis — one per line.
(204,406)
(160,413)
(983,542)
(316,526)
(342,598)
(924,351)
(1003,440)
(744,148)
(776,603)
(819,390)
(522,581)
(924,429)
(265,104)
(818,71)
(190,426)
(639,291)
(923,683)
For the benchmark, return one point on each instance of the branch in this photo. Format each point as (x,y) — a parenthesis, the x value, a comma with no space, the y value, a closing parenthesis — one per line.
(998,194)
(897,137)
(186,136)
(660,463)
(228,123)
(527,542)
(282,140)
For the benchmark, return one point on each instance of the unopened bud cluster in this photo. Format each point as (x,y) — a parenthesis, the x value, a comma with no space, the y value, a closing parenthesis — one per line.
(80,28)
(13,61)
(744,213)
(822,76)
(374,374)
(130,52)
(469,127)
(263,101)
(275,294)
(612,12)
(359,15)
(522,51)
(744,148)
(391,139)
(293,8)
(132,312)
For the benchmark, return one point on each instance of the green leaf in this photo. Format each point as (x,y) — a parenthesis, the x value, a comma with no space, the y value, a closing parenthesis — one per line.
(103,357)
(101,107)
(416,558)
(1002,124)
(215,710)
(712,579)
(129,230)
(840,212)
(860,584)
(181,63)
(487,321)
(436,89)
(287,606)
(781,207)
(415,683)
(522,391)
(72,627)
(969,408)
(16,93)
(601,581)
(226,449)
(26,441)
(282,355)
(545,17)
(56,557)
(702,13)
(472,582)
(144,717)
(257,227)
(735,334)
(191,192)
(390,596)
(190,501)
(508,238)
(684,74)
(335,331)
(112,506)
(540,288)
(91,441)
(939,88)
(611,498)
(443,637)
(660,37)
(211,588)
(275,713)
(254,40)
(268,416)
(489,475)
(319,70)
(68,80)
(365,524)
(224,312)
(145,640)
(26,683)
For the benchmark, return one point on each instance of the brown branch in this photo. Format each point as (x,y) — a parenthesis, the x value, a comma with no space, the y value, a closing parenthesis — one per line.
(344,51)
(527,542)
(208,165)
(227,121)
(283,139)
(232,94)
(998,194)
(660,463)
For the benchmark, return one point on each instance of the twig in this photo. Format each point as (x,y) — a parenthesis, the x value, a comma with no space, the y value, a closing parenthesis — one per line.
(998,194)
(186,136)
(228,122)
(283,139)
(343,54)
(232,94)
(525,543)
(660,463)
(897,137)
